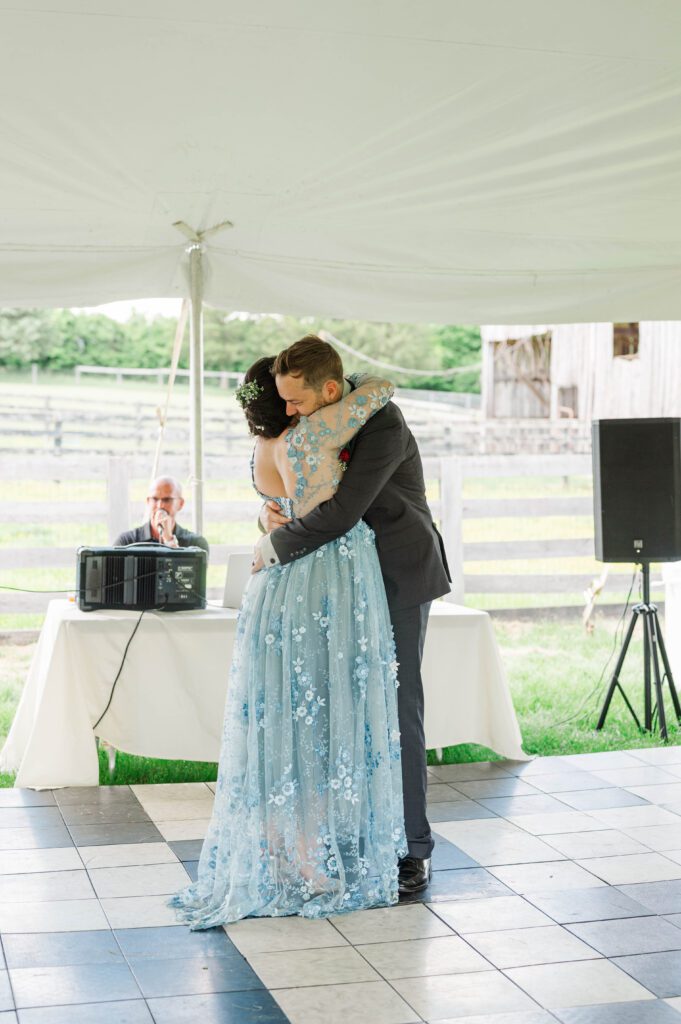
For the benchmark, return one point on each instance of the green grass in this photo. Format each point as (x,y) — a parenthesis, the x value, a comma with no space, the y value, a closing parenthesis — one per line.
(558,674)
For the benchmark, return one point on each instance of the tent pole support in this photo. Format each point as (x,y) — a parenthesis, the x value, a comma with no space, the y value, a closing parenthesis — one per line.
(196,383)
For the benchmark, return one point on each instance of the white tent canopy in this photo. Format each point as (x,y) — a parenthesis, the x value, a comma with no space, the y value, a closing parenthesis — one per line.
(443,161)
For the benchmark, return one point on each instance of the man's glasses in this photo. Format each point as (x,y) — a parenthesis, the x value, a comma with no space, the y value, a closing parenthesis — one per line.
(161,501)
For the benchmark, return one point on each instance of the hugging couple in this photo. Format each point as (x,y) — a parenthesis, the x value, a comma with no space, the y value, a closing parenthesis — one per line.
(320,803)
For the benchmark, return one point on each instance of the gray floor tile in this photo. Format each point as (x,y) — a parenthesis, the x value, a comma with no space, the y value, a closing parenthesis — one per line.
(187,849)
(649,1011)
(132,1011)
(598,904)
(660,897)
(112,812)
(62,949)
(6,1000)
(9,1017)
(660,973)
(448,856)
(508,805)
(175,942)
(537,766)
(604,760)
(460,810)
(510,786)
(85,983)
(339,965)
(463,884)
(569,782)
(440,792)
(554,876)
(30,817)
(35,838)
(192,869)
(109,834)
(194,976)
(628,936)
(599,843)
(468,772)
(594,799)
(93,795)
(26,798)
(257,1007)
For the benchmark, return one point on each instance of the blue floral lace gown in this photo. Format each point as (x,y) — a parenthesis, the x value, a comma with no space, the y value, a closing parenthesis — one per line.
(308,814)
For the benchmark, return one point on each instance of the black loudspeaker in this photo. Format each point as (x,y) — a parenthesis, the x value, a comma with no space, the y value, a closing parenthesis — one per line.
(637,490)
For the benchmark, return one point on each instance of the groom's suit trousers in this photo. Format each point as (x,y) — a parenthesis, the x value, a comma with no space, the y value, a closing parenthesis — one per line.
(409,628)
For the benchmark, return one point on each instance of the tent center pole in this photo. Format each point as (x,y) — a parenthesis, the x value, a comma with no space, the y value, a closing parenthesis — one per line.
(196,383)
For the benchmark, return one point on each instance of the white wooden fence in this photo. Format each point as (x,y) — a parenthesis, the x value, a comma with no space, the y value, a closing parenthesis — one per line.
(449,509)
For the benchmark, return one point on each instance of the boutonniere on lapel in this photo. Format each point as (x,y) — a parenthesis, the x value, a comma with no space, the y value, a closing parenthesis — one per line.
(344,458)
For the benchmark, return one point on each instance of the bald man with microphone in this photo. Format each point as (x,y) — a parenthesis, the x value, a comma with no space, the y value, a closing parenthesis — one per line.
(164,502)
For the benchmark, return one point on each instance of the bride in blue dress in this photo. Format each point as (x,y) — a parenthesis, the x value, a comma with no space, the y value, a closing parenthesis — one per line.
(308,813)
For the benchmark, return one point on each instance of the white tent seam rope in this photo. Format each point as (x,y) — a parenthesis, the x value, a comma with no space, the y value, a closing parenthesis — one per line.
(333,340)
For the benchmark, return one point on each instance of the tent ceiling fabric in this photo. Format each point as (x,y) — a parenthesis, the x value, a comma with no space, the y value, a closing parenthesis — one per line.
(441,162)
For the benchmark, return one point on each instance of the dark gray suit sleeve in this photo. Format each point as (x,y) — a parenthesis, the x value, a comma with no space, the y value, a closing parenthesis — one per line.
(378,451)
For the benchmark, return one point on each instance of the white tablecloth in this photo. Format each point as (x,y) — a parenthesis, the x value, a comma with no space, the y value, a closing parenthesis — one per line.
(170,697)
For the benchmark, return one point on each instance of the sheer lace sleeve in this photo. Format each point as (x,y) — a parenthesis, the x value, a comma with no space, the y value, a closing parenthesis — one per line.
(314,444)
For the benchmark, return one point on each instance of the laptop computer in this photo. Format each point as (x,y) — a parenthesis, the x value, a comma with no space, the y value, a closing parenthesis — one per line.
(237,577)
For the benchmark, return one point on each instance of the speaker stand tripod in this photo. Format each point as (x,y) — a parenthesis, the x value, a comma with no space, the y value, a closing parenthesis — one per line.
(653,650)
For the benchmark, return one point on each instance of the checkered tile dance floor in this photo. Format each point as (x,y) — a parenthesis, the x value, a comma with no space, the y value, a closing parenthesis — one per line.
(556,896)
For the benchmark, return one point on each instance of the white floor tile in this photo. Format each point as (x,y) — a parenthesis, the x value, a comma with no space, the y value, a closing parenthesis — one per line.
(604,843)
(492,914)
(659,794)
(31,887)
(644,775)
(145,880)
(418,958)
(388,924)
(174,831)
(495,841)
(659,755)
(635,817)
(554,824)
(179,810)
(557,875)
(272,934)
(16,862)
(522,947)
(170,791)
(126,854)
(138,912)
(53,916)
(374,1002)
(451,995)
(657,837)
(603,760)
(297,968)
(639,867)
(582,983)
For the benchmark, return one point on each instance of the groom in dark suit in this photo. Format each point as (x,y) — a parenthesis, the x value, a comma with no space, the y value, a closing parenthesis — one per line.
(382,484)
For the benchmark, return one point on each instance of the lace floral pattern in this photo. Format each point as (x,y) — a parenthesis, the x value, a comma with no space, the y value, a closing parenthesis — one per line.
(308,815)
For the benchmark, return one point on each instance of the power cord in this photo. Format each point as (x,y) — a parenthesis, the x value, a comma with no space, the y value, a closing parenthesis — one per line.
(599,684)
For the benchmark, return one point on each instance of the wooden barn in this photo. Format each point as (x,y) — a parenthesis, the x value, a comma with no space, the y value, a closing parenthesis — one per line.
(581,371)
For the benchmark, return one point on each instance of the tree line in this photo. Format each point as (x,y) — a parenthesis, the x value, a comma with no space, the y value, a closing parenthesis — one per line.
(60,339)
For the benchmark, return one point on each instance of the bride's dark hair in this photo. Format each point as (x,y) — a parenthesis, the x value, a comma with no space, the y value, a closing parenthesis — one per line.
(265,412)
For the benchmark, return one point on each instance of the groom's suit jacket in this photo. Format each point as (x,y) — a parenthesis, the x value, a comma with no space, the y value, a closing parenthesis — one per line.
(382,484)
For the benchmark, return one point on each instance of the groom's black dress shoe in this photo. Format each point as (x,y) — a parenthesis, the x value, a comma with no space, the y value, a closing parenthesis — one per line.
(414,875)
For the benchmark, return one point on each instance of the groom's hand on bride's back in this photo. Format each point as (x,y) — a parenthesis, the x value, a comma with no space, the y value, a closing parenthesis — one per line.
(272,517)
